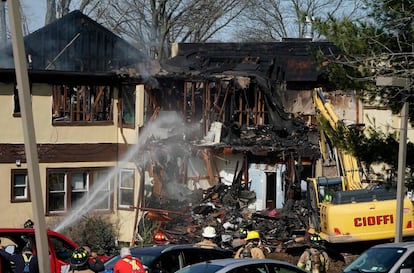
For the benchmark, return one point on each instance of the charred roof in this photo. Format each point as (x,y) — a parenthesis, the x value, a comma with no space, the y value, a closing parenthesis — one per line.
(274,69)
(75,43)
(292,61)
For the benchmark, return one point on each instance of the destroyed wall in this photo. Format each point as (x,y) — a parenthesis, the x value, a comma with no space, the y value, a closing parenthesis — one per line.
(248,110)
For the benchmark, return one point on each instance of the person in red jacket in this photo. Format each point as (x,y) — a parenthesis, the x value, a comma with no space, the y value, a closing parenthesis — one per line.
(127,263)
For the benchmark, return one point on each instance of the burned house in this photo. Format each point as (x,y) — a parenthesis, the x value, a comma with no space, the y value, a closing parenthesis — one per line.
(248,101)
(247,122)
(218,122)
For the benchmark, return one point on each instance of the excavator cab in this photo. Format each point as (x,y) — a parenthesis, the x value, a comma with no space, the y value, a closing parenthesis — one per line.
(319,190)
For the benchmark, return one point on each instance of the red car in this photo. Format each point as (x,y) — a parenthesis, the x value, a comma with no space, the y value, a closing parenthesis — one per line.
(60,247)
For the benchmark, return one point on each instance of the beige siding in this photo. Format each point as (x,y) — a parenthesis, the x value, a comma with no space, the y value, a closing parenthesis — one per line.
(386,121)
(15,214)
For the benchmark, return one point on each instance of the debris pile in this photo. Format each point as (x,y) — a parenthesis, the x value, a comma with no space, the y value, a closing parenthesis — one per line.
(228,209)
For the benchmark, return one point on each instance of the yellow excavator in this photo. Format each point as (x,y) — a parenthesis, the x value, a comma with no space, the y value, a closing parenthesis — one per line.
(341,209)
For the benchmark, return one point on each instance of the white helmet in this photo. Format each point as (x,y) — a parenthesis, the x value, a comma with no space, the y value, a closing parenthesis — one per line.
(209,232)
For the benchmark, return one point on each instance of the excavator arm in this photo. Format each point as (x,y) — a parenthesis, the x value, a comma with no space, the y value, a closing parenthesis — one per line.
(347,163)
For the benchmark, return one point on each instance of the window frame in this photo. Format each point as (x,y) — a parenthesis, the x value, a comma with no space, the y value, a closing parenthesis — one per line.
(78,104)
(103,173)
(49,172)
(26,197)
(87,189)
(16,102)
(128,95)
(122,189)
(77,189)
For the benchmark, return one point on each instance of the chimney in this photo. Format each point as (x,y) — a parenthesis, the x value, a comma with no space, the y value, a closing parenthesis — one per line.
(308,33)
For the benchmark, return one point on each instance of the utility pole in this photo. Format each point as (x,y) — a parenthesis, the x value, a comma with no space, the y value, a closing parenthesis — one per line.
(30,145)
(3,28)
(402,153)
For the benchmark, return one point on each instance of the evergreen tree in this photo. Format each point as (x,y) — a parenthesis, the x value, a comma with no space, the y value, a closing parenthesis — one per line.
(380,44)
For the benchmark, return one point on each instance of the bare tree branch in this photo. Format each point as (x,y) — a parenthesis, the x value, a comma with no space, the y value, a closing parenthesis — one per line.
(270,20)
(153,25)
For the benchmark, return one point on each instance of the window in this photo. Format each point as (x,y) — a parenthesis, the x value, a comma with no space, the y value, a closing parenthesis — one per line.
(102,190)
(62,249)
(82,104)
(170,262)
(67,187)
(282,269)
(20,186)
(409,262)
(16,110)
(79,182)
(126,188)
(57,192)
(16,102)
(128,106)
(254,268)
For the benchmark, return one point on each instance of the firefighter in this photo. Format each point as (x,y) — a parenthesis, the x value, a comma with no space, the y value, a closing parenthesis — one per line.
(315,259)
(252,248)
(79,261)
(26,262)
(95,263)
(328,196)
(241,240)
(127,263)
(209,234)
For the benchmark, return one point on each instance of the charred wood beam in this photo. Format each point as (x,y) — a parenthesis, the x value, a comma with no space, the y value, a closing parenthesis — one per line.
(208,121)
(193,110)
(186,84)
(181,212)
(207,159)
(156,174)
(223,105)
(62,51)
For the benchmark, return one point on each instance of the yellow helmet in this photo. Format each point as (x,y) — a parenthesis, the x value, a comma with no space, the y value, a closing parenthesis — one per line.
(251,235)
(315,239)
(79,257)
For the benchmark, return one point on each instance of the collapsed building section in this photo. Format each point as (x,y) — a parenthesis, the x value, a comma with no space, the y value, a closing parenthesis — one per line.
(250,131)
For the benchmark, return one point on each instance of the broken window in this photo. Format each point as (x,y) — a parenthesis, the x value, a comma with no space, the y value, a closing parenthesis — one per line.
(16,102)
(20,186)
(126,188)
(16,109)
(193,100)
(238,102)
(226,100)
(128,106)
(82,104)
(66,187)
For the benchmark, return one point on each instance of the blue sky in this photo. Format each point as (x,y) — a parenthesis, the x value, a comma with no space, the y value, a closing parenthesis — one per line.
(35,11)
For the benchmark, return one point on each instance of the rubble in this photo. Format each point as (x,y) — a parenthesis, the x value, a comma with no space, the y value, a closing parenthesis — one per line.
(227,209)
